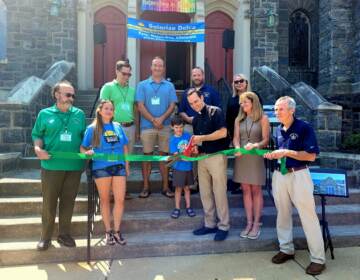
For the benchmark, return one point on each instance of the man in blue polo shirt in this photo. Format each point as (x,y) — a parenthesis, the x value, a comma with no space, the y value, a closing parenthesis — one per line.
(211,96)
(156,99)
(296,141)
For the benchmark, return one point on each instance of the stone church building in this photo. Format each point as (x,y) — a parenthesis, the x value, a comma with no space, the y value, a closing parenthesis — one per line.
(315,41)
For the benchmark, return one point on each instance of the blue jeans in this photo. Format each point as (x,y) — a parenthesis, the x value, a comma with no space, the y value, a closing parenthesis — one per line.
(110,171)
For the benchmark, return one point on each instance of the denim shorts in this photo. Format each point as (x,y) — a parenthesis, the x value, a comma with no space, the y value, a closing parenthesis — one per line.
(110,171)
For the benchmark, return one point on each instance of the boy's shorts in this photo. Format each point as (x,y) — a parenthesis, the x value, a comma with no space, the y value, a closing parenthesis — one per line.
(182,178)
(110,171)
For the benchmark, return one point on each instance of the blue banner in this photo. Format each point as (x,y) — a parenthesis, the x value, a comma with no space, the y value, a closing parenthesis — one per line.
(166,32)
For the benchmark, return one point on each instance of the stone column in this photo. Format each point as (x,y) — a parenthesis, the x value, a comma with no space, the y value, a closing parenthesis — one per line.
(85,53)
(133,47)
(242,39)
(200,47)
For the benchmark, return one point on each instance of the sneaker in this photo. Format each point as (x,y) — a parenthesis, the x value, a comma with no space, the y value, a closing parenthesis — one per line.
(204,230)
(66,240)
(255,231)
(109,237)
(315,268)
(221,235)
(282,257)
(244,233)
(175,213)
(119,239)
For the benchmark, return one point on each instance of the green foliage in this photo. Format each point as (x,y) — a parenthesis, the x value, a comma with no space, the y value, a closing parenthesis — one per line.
(352,143)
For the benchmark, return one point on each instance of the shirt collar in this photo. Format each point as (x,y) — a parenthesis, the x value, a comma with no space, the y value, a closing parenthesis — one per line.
(152,80)
(116,82)
(292,126)
(55,109)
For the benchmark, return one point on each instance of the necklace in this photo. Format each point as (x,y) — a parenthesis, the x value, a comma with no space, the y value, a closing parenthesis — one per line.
(248,133)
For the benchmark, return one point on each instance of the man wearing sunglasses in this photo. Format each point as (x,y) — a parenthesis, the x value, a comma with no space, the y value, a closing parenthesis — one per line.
(59,128)
(123,98)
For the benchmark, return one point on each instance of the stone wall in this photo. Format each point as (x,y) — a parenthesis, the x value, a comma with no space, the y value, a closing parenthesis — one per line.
(36,40)
(348,162)
(356,64)
(264,39)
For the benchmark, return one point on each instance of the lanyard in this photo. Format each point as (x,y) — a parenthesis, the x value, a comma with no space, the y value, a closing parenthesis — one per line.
(156,90)
(64,123)
(248,133)
(122,93)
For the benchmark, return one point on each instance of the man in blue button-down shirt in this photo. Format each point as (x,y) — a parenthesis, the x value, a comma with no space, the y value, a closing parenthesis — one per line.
(296,141)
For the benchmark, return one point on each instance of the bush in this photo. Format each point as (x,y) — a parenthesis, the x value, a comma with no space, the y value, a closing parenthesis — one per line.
(352,143)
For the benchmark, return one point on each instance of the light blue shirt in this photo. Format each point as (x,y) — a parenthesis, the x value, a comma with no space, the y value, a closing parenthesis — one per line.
(157,97)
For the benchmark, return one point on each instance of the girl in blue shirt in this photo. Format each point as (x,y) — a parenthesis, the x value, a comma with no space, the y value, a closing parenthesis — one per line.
(106,136)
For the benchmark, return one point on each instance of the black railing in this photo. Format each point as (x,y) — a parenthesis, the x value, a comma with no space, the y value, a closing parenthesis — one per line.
(93,206)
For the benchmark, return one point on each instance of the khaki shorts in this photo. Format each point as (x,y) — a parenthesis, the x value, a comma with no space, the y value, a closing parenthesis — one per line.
(150,137)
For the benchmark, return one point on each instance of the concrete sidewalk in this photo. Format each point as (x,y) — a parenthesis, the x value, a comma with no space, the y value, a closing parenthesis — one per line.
(241,266)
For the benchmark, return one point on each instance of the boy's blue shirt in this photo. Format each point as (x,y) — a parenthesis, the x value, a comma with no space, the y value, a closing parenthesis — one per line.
(177,144)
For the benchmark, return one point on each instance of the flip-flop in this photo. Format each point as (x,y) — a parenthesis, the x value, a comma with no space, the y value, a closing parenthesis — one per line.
(175,213)
(144,193)
(168,193)
(190,212)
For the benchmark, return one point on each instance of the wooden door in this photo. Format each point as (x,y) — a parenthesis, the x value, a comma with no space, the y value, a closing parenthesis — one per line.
(216,23)
(115,47)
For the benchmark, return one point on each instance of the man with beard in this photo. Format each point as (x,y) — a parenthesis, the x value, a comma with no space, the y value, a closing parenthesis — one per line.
(211,97)
(59,128)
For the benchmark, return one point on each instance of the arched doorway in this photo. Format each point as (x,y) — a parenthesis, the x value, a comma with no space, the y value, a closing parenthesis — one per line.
(216,23)
(115,47)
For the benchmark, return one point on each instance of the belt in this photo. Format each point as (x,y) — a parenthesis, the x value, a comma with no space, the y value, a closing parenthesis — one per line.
(294,169)
(127,124)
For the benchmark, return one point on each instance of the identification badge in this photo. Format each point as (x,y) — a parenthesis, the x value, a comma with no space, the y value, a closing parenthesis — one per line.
(125,107)
(155,101)
(65,137)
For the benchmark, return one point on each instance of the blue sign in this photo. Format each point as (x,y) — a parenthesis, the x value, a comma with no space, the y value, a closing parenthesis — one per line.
(166,32)
(2,32)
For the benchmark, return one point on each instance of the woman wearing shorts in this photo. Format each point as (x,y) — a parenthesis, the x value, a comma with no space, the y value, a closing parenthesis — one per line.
(106,136)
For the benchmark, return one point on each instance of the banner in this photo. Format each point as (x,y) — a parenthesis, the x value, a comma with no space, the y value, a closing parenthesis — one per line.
(166,32)
(3,32)
(181,6)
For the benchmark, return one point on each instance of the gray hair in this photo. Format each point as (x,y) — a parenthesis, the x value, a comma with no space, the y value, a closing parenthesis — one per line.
(290,101)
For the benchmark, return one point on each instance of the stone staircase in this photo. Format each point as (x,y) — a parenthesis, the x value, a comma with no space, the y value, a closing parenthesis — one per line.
(146,225)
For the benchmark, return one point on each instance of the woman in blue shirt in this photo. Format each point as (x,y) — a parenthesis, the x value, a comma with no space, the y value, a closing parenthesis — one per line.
(106,136)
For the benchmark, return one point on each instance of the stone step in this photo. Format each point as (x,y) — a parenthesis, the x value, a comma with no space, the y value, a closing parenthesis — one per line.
(156,244)
(155,221)
(31,205)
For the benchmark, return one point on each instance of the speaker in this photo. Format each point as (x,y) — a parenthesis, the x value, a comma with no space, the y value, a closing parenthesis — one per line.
(99,33)
(228,39)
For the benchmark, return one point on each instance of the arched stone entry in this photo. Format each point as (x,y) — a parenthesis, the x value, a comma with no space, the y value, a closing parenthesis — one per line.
(115,47)
(216,22)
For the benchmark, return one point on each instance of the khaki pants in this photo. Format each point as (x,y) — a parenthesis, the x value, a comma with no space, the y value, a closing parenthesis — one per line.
(297,188)
(130,134)
(213,191)
(62,186)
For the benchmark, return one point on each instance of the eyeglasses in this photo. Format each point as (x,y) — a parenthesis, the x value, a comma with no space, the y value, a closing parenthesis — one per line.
(239,81)
(126,74)
(68,95)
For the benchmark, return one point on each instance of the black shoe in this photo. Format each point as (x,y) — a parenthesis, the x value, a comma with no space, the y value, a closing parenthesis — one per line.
(204,230)
(66,240)
(43,245)
(221,235)
(281,257)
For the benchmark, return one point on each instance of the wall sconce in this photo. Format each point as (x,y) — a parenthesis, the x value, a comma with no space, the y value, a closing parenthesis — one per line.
(55,6)
(271,18)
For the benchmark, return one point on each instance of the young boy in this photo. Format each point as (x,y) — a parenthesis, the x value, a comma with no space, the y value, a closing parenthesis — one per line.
(182,170)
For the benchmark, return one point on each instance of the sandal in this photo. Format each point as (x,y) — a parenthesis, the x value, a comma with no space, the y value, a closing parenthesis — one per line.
(254,234)
(119,239)
(168,193)
(245,232)
(175,213)
(109,237)
(145,193)
(190,212)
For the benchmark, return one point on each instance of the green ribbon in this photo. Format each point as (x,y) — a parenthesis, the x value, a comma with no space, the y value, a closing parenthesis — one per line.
(132,157)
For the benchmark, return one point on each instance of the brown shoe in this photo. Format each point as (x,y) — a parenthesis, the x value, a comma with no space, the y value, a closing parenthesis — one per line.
(315,268)
(281,258)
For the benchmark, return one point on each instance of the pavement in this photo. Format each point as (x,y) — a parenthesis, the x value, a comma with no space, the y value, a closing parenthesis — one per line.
(238,266)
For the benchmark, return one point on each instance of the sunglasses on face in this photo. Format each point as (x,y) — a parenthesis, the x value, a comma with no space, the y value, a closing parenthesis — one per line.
(239,81)
(68,95)
(126,74)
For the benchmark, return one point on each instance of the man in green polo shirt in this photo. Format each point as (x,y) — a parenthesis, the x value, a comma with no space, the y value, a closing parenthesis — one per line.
(59,128)
(123,97)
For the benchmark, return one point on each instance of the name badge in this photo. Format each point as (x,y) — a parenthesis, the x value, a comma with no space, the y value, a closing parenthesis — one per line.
(125,107)
(65,137)
(155,101)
